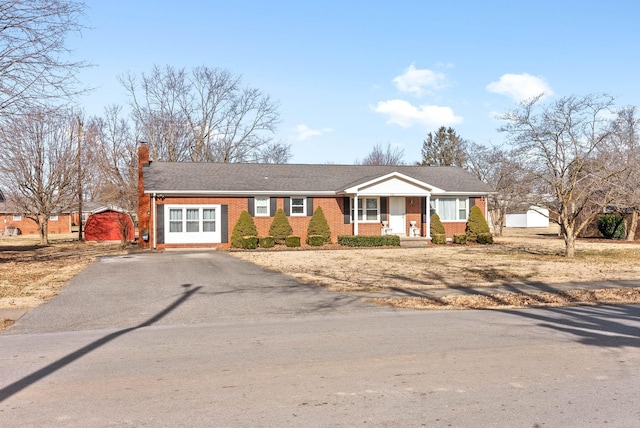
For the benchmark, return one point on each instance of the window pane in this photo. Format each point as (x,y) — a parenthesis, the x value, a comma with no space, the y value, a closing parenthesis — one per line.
(372,204)
(175,226)
(175,214)
(208,220)
(297,205)
(193,214)
(447,209)
(432,207)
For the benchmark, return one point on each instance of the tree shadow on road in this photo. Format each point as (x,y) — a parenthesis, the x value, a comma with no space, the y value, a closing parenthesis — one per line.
(26,381)
(605,326)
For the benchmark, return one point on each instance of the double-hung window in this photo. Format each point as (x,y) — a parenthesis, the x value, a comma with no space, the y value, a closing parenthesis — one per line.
(208,220)
(262,207)
(193,220)
(368,209)
(175,220)
(298,206)
(17,217)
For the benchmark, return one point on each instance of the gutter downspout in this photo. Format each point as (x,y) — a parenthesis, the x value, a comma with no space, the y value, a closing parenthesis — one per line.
(153,219)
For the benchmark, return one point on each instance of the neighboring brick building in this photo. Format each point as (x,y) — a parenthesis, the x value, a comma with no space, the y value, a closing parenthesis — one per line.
(197,204)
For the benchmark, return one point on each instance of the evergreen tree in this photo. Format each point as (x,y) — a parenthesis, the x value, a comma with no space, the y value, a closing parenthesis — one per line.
(476,225)
(437,228)
(244,227)
(444,148)
(280,227)
(318,225)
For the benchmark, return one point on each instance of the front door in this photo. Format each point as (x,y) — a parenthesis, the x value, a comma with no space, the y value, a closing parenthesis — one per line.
(397,216)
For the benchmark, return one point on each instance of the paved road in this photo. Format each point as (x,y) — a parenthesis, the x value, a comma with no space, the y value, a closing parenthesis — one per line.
(202,339)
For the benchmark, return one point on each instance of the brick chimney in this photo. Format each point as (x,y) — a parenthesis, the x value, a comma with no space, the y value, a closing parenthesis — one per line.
(144,201)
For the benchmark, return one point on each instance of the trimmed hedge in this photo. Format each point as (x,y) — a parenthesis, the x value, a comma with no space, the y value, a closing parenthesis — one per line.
(369,241)
(484,238)
(267,242)
(249,242)
(292,241)
(439,238)
(315,240)
(460,239)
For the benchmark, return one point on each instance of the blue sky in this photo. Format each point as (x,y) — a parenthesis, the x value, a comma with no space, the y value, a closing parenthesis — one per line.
(352,74)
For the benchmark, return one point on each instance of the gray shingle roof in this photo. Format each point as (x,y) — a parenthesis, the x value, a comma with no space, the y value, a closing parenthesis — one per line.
(287,178)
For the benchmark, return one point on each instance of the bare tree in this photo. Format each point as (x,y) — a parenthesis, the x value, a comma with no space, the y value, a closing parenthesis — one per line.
(204,115)
(35,65)
(111,150)
(37,164)
(495,166)
(444,148)
(384,156)
(623,148)
(556,148)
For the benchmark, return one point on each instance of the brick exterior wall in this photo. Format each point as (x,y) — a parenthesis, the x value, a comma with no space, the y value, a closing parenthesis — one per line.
(29,227)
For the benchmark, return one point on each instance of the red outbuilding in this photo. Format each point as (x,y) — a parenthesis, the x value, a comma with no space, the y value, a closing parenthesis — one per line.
(109,224)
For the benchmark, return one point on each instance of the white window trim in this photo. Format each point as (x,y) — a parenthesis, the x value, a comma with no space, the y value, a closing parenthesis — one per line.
(199,237)
(17,217)
(436,202)
(362,204)
(53,218)
(304,207)
(255,206)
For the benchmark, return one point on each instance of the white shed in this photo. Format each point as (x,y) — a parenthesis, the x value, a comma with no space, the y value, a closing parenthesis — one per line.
(533,217)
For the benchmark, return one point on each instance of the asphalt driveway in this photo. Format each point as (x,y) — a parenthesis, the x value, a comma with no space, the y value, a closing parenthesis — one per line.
(178,287)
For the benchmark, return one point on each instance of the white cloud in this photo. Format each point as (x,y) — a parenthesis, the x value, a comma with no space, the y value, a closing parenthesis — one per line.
(304,132)
(405,114)
(420,81)
(520,87)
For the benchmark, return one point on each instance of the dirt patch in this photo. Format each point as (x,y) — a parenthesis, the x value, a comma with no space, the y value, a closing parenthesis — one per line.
(521,257)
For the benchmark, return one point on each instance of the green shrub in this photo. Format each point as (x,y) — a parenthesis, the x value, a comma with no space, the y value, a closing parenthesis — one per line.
(460,239)
(280,227)
(267,242)
(476,224)
(292,241)
(315,240)
(484,238)
(611,226)
(244,227)
(436,225)
(439,238)
(318,225)
(369,241)
(249,242)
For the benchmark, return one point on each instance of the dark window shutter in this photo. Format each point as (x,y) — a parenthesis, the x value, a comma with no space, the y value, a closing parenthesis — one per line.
(251,206)
(423,210)
(472,203)
(273,203)
(347,209)
(224,223)
(309,206)
(384,202)
(287,206)
(159,224)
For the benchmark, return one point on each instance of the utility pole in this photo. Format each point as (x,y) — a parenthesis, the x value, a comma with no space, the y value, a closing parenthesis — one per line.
(80,197)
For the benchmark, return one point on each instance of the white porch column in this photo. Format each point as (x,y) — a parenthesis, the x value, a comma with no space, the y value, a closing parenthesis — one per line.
(428,214)
(355,214)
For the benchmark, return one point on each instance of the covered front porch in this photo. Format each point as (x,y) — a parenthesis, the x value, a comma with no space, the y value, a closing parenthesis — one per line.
(397,203)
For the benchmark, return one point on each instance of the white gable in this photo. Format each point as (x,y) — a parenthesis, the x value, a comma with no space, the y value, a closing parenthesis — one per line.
(394,184)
